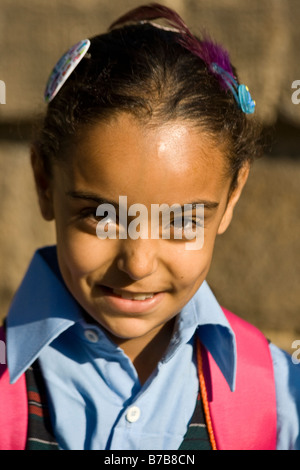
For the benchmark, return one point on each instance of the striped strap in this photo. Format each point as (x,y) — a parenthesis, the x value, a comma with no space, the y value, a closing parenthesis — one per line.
(196,437)
(40,435)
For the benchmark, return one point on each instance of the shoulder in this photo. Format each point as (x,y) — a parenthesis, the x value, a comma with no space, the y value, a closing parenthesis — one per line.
(287,383)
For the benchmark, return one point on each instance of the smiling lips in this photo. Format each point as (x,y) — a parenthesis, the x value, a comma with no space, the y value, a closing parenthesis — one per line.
(132,295)
(131,302)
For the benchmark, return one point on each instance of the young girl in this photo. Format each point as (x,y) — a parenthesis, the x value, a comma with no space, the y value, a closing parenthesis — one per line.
(114,339)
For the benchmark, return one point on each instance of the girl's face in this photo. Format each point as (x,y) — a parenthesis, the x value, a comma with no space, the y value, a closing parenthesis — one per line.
(170,164)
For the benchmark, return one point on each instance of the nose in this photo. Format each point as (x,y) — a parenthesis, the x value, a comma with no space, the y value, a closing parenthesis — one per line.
(138,258)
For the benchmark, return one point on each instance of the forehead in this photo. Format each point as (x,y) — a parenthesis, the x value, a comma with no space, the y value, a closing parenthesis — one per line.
(126,156)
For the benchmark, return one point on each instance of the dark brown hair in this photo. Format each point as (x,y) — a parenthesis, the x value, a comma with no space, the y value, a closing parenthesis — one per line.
(146,71)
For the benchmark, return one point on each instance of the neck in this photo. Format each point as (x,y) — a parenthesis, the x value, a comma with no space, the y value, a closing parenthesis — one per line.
(145,352)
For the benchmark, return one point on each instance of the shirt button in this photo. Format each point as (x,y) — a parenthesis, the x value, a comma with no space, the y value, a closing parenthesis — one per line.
(133,414)
(91,336)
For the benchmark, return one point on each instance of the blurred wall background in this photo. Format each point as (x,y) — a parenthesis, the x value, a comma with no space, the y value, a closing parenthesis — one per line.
(256,268)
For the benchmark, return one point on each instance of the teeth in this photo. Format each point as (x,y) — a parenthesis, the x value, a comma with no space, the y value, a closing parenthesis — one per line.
(131,296)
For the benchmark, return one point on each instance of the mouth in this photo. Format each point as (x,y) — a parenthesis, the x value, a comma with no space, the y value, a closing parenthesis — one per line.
(132,295)
(128,301)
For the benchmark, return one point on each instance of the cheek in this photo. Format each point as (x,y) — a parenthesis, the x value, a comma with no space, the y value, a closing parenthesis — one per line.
(195,264)
(83,253)
(190,268)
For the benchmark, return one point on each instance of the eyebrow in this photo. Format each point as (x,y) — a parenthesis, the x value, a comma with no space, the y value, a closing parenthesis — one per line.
(91,197)
(209,205)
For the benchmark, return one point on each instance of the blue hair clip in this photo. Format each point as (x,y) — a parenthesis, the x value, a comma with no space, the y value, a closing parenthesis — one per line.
(64,67)
(241,93)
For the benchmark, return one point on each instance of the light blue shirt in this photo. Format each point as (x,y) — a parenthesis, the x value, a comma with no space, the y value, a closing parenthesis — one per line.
(96,399)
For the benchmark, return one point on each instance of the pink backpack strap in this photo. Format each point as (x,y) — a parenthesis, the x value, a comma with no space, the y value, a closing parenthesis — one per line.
(246,418)
(13,409)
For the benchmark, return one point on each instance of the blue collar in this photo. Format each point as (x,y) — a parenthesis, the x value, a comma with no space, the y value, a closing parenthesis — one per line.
(43,308)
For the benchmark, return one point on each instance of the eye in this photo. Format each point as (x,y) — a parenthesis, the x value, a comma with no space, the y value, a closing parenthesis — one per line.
(192,227)
(187,226)
(89,213)
(90,220)
(183,227)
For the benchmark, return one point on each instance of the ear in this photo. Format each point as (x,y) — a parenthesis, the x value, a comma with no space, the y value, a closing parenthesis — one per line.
(42,183)
(234,197)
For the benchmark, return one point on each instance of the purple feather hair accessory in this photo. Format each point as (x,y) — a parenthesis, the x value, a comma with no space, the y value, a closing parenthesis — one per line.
(212,53)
